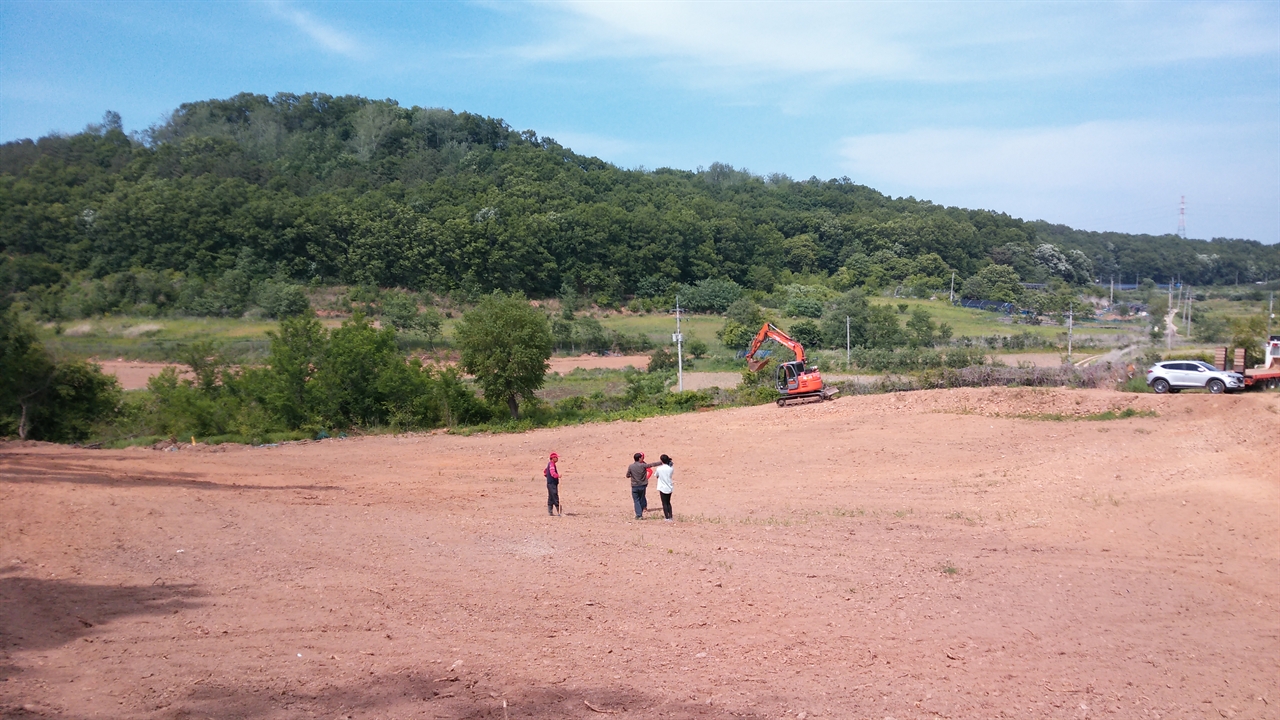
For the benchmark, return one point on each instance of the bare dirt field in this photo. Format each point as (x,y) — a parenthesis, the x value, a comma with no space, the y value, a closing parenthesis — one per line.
(134,374)
(563,365)
(917,555)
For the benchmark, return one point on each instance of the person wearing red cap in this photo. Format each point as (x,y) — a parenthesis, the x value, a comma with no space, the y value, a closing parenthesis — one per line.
(553,486)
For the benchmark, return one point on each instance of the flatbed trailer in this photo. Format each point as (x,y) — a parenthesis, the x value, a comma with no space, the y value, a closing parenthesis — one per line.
(1265,377)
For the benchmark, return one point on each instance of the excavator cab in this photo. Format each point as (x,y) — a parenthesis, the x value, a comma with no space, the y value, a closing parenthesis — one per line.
(789,376)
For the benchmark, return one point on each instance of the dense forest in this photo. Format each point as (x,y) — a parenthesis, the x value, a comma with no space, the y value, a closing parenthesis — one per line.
(233,201)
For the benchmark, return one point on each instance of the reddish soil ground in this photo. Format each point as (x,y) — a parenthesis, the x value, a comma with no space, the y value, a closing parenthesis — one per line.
(564,365)
(915,555)
(134,374)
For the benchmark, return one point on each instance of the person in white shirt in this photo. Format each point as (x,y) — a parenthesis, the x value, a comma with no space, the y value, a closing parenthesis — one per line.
(663,474)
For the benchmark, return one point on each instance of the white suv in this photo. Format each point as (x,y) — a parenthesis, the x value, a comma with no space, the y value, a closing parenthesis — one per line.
(1176,375)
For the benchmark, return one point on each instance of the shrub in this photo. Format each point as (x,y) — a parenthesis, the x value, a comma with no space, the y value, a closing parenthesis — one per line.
(43,399)
(696,347)
(806,333)
(803,306)
(281,300)
(710,295)
(736,336)
(745,312)
(661,359)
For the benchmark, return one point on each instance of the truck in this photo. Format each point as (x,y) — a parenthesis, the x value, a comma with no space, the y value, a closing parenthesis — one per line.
(1264,377)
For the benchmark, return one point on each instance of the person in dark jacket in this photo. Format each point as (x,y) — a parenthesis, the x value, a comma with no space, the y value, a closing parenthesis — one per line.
(638,473)
(553,486)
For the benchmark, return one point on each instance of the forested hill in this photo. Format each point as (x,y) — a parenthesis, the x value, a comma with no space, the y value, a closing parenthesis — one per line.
(314,188)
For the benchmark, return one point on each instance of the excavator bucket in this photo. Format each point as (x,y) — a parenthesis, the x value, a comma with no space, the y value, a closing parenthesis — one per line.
(755,365)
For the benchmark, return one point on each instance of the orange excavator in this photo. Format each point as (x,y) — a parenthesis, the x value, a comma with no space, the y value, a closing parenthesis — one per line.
(797,383)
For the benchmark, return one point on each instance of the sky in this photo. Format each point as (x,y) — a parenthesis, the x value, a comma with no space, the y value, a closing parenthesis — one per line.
(1101,116)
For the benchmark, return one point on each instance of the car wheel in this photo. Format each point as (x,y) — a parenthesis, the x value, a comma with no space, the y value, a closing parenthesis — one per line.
(1216,387)
(1160,385)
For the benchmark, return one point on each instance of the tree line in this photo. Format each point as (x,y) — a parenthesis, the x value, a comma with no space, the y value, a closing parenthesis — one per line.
(241,201)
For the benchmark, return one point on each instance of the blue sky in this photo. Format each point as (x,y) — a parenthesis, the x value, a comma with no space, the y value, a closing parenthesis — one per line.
(1095,115)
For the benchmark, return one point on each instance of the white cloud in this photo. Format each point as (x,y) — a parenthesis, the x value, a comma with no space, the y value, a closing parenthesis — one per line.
(329,38)
(913,41)
(1125,176)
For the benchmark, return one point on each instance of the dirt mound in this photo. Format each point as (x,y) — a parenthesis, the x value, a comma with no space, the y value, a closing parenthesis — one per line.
(916,555)
(1021,402)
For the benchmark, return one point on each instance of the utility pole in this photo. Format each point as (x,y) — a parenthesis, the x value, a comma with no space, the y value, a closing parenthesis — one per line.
(679,338)
(1271,313)
(1168,334)
(848,351)
(1113,291)
(1071,304)
(953,288)
(1190,299)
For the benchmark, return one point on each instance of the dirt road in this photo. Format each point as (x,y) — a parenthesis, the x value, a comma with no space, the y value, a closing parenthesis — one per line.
(916,555)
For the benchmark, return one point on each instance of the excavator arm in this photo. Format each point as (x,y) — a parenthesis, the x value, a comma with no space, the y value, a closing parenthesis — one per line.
(769,332)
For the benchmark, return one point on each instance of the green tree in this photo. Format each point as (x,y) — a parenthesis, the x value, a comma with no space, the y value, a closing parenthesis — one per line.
(79,396)
(1209,327)
(26,372)
(1249,333)
(710,295)
(505,344)
(41,399)
(281,299)
(569,299)
(661,359)
(696,347)
(736,336)
(994,282)
(806,333)
(359,366)
(297,349)
(745,312)
(921,330)
(400,309)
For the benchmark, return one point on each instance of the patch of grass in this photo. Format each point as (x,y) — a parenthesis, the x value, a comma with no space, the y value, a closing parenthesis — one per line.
(966,519)
(902,513)
(698,519)
(776,521)
(160,339)
(847,512)
(949,569)
(1135,384)
(1092,417)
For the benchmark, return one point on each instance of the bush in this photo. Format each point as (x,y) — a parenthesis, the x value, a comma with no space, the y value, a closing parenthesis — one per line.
(586,334)
(281,300)
(710,295)
(803,306)
(662,359)
(42,399)
(745,312)
(696,347)
(806,333)
(736,336)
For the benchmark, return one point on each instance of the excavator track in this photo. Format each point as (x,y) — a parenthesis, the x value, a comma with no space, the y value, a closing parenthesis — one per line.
(805,398)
